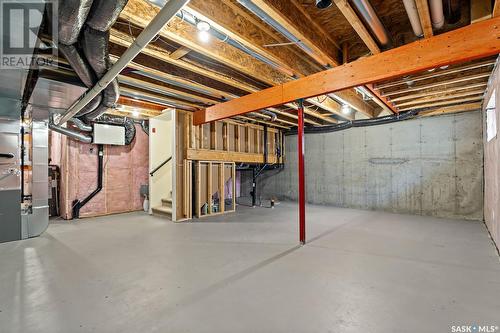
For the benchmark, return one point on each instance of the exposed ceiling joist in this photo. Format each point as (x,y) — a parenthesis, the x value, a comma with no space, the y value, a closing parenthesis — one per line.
(460,79)
(438,92)
(357,25)
(175,80)
(229,19)
(384,101)
(445,49)
(429,99)
(125,40)
(286,14)
(140,13)
(436,74)
(179,53)
(425,17)
(452,109)
(451,101)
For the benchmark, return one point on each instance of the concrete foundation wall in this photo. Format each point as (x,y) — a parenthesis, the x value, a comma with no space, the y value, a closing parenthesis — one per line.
(428,166)
(492,165)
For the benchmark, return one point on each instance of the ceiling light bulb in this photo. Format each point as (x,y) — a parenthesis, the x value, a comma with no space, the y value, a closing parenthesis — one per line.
(135,113)
(204,36)
(203,26)
(346,109)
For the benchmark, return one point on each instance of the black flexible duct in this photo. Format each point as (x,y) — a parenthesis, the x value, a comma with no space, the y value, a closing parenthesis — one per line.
(71,17)
(95,46)
(104,13)
(145,126)
(77,204)
(92,61)
(79,64)
(358,123)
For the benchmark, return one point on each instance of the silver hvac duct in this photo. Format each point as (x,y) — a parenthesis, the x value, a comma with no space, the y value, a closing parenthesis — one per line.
(81,125)
(437,13)
(369,16)
(154,27)
(191,19)
(412,12)
(273,115)
(72,134)
(249,5)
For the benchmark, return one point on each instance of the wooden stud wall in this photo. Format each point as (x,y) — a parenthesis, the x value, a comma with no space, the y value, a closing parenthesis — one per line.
(211,178)
(211,152)
(228,140)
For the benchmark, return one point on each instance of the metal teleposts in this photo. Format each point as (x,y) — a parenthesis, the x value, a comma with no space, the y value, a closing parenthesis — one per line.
(302,196)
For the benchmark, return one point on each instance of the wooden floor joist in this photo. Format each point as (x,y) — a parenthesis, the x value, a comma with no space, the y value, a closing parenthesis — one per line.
(445,49)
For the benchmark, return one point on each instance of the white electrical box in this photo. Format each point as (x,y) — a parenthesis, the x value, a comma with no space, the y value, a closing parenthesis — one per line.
(109,134)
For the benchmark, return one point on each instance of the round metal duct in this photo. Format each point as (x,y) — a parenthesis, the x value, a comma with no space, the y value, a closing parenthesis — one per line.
(322,4)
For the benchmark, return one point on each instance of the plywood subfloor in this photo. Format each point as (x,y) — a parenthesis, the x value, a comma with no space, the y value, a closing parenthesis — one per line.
(361,272)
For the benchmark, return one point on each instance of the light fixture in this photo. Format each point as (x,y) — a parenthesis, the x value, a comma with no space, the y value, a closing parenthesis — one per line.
(135,113)
(322,4)
(345,109)
(202,26)
(203,30)
(204,36)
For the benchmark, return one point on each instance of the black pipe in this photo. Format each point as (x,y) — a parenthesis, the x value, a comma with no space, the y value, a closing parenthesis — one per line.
(23,151)
(358,123)
(254,187)
(193,189)
(77,204)
(266,152)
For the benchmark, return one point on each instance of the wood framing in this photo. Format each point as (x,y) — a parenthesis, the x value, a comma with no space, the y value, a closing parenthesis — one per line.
(425,17)
(452,109)
(287,14)
(211,178)
(232,20)
(140,13)
(384,101)
(445,49)
(357,25)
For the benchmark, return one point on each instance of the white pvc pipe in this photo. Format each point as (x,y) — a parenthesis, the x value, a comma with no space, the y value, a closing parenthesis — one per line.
(163,17)
(437,14)
(411,10)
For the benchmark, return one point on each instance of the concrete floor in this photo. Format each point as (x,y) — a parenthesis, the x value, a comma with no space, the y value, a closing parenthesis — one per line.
(361,272)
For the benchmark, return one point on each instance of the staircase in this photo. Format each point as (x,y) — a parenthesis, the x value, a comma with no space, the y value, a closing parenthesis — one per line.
(165,210)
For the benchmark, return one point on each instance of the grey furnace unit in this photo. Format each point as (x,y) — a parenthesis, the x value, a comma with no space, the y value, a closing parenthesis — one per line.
(10,180)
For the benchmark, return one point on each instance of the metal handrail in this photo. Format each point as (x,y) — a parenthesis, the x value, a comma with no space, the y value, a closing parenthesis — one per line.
(160,166)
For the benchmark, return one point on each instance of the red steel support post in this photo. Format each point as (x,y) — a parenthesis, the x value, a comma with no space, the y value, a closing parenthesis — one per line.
(302,195)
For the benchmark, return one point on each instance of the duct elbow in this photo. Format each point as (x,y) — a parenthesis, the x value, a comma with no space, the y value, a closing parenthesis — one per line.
(69,133)
(273,115)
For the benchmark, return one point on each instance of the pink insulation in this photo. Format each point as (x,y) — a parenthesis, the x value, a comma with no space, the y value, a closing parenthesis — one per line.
(125,170)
